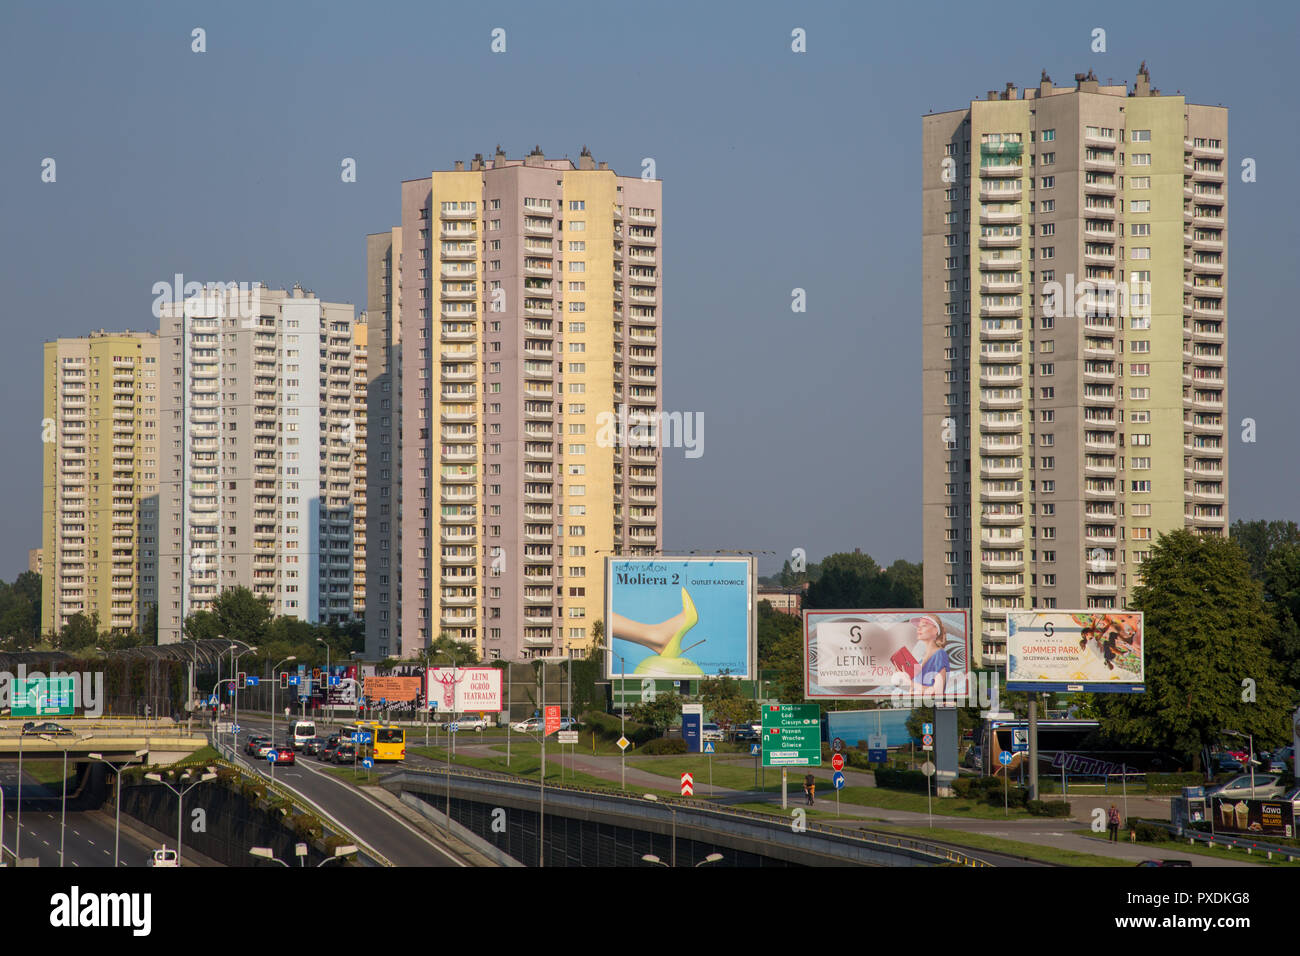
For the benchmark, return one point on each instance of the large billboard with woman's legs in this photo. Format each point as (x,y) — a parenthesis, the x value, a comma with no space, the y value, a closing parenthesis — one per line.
(880,655)
(684,618)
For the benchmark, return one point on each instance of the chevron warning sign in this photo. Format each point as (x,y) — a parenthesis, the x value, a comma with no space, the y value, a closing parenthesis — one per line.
(688,785)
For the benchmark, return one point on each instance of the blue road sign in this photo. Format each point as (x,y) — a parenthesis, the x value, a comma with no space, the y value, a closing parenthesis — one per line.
(755,749)
(433,705)
(877,756)
(837,779)
(272,756)
(453,727)
(708,747)
(927,729)
(230,691)
(250,681)
(294,680)
(360,738)
(334,680)
(236,729)
(212,701)
(367,763)
(383,701)
(1004,758)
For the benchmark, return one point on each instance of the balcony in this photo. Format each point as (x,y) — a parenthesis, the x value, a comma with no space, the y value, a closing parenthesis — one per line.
(999,195)
(1003,564)
(991,285)
(459,335)
(1012,423)
(454,395)
(538,229)
(1006,329)
(1007,520)
(1001,471)
(1004,262)
(989,588)
(1013,380)
(1002,171)
(1000,242)
(457,231)
(459,255)
(458,375)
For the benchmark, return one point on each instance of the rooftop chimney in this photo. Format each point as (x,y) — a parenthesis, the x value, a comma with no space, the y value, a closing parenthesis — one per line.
(460,166)
(477,162)
(1143,85)
(500,158)
(585,160)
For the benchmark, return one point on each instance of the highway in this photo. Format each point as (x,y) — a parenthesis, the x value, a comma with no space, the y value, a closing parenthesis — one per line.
(372,823)
(88,840)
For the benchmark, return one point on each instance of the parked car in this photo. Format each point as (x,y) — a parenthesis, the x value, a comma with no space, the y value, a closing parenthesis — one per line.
(1227,763)
(346,752)
(1266,786)
(711,732)
(745,732)
(48,727)
(569,723)
(1275,765)
(974,758)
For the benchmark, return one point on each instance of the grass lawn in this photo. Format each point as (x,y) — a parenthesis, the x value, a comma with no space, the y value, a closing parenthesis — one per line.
(981,841)
(735,776)
(529,765)
(1200,849)
(48,772)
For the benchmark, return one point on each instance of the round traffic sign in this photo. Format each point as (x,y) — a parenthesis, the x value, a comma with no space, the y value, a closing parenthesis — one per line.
(367,763)
(927,740)
(838,780)
(837,762)
(1004,758)
(927,768)
(272,756)
(837,744)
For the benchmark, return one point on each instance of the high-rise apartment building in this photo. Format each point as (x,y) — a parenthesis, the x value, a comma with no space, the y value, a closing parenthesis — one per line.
(1075,343)
(100,508)
(517,305)
(260,488)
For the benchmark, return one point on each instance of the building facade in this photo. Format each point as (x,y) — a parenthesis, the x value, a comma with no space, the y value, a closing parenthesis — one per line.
(515,317)
(1074,343)
(260,488)
(100,499)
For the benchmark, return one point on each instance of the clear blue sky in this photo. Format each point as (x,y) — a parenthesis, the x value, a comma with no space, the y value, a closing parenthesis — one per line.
(780,170)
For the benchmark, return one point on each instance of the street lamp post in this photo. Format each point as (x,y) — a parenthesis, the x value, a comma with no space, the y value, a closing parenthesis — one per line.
(622,716)
(1250,755)
(117,822)
(18,821)
(273,683)
(300,850)
(234,662)
(63,815)
(673,810)
(329,711)
(180,801)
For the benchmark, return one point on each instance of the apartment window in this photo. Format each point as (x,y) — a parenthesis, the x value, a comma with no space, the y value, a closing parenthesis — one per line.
(1048,182)
(1141,486)
(1049,486)
(1047,252)
(1047,391)
(1141,159)
(1049,135)
(1047,368)
(1139,136)
(1139,394)
(1047,322)
(494,203)
(1048,158)
(578,245)
(1049,462)
(1047,415)
(577,449)
(1049,557)
(1140,205)
(577,347)
(1139,368)
(577,368)
(1047,440)
(1139,182)
(1140,464)
(1139,418)
(1140,345)
(1047,229)
(577,307)
(577,205)
(1140,439)
(1139,229)
(577,266)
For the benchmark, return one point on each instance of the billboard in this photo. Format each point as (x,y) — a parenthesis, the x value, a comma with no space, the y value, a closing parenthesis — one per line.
(1093,651)
(464,689)
(870,655)
(344,692)
(1254,817)
(391,689)
(680,618)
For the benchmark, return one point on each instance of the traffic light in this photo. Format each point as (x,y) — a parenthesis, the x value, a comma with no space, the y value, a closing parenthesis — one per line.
(239,679)
(284,679)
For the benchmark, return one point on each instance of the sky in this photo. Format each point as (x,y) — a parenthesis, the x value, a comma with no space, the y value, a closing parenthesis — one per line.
(782,170)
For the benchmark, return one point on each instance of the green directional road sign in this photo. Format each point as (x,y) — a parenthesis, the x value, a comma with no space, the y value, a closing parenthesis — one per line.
(792,735)
(44,697)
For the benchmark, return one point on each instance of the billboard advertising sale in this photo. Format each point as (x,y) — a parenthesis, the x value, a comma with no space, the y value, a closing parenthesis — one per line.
(865,655)
(680,618)
(461,690)
(1093,651)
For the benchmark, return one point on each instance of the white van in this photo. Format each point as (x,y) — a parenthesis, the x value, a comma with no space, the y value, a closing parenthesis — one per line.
(300,731)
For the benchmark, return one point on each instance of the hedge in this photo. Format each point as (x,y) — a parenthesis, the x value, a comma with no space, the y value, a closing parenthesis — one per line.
(664,745)
(1172,782)
(1048,808)
(608,727)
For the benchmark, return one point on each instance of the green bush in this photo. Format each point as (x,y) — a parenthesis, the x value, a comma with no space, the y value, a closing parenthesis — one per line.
(307,826)
(609,727)
(664,745)
(857,759)
(912,781)
(1048,808)
(962,786)
(1148,833)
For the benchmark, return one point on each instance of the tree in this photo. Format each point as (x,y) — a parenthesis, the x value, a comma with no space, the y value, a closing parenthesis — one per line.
(445,651)
(1207,632)
(149,632)
(1258,539)
(80,632)
(1281,580)
(722,698)
(202,626)
(241,615)
(660,713)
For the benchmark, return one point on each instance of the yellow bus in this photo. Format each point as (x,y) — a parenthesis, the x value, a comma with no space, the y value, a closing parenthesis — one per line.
(387,743)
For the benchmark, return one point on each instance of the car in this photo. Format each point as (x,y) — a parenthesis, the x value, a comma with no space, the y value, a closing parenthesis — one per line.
(1227,763)
(326,751)
(745,732)
(569,723)
(530,726)
(711,732)
(48,727)
(471,723)
(260,750)
(346,752)
(974,757)
(312,747)
(1275,765)
(285,755)
(164,857)
(1265,787)
(1165,863)
(254,741)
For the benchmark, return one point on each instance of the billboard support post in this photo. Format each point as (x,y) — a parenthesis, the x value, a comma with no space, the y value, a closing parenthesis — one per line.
(785,775)
(1033,746)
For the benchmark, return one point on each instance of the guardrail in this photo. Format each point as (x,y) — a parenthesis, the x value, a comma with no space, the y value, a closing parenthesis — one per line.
(297,800)
(1291,853)
(937,851)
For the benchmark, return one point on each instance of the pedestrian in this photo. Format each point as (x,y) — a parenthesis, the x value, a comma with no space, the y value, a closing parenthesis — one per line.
(1112,821)
(810,788)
